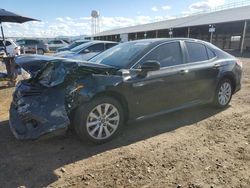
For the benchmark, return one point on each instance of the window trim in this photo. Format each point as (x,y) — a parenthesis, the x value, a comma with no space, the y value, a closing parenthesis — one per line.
(168,42)
(197,62)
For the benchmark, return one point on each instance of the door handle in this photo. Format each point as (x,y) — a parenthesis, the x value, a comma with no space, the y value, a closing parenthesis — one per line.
(184,71)
(216,66)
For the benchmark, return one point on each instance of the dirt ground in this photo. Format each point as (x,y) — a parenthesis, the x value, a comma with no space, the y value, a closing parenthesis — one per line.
(198,147)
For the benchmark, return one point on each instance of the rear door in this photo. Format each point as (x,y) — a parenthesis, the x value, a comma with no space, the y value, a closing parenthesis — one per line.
(201,66)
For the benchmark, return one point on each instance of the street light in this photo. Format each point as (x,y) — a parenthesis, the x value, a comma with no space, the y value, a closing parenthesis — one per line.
(170,32)
(211,31)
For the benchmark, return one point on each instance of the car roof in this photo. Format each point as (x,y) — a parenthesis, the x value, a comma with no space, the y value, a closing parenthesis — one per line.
(161,40)
(82,40)
(102,41)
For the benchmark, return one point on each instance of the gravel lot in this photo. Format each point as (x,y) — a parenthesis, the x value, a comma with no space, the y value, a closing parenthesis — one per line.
(199,147)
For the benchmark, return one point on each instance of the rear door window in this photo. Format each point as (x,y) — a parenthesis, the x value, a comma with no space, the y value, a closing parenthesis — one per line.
(21,42)
(57,42)
(8,43)
(96,48)
(168,54)
(196,52)
(109,45)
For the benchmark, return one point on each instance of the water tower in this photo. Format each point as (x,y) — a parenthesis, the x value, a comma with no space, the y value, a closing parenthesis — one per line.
(95,22)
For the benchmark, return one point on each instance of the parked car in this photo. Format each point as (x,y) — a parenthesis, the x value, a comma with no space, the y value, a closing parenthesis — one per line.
(72,45)
(11,47)
(33,46)
(131,81)
(86,51)
(57,43)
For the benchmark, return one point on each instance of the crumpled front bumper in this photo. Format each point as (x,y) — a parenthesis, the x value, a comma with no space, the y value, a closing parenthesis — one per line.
(32,116)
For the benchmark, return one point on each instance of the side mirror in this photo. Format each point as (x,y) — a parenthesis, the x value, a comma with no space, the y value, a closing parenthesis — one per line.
(150,65)
(86,51)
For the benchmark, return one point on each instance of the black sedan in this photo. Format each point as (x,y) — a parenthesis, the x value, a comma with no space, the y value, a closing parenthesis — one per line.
(131,81)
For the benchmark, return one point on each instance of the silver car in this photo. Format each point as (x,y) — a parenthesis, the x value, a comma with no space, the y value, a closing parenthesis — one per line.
(86,51)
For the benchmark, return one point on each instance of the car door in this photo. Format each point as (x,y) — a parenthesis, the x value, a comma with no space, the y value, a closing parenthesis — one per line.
(163,89)
(201,65)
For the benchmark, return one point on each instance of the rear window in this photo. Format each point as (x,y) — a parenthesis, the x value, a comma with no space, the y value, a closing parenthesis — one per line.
(196,52)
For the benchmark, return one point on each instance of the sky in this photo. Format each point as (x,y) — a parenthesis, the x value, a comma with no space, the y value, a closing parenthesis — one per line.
(72,18)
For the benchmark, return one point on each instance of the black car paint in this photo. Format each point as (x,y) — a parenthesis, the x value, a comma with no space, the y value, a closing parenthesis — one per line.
(161,91)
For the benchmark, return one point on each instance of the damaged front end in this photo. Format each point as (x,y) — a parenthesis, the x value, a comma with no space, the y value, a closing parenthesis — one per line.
(38,105)
(36,111)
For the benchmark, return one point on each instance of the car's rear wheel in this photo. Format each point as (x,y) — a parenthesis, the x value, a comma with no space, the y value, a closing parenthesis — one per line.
(99,120)
(223,93)
(40,51)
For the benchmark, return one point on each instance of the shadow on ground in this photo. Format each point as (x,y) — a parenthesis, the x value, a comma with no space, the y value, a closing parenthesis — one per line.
(32,163)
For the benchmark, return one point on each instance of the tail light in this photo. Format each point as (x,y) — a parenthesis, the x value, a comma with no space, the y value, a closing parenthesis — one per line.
(238,62)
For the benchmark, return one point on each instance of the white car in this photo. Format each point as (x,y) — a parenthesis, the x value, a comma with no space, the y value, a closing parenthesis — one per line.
(11,47)
(57,43)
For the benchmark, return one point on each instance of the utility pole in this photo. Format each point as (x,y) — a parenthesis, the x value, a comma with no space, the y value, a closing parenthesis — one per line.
(211,31)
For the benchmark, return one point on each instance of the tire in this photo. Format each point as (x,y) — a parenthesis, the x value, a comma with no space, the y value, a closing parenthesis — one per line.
(40,51)
(223,94)
(90,125)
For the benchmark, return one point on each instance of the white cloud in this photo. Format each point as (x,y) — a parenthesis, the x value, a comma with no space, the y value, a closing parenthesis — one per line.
(155,8)
(68,26)
(60,19)
(205,5)
(166,7)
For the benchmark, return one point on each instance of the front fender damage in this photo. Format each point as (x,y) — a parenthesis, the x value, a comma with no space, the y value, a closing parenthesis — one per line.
(40,104)
(34,115)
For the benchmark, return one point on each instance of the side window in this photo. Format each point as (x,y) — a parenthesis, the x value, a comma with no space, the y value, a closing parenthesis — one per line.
(167,54)
(8,43)
(57,42)
(210,54)
(96,48)
(1,43)
(29,42)
(21,42)
(110,45)
(196,52)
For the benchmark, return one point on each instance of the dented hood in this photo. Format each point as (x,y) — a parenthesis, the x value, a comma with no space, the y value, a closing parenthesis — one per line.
(34,63)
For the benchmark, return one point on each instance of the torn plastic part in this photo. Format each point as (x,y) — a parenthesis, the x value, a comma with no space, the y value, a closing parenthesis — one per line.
(52,75)
(36,115)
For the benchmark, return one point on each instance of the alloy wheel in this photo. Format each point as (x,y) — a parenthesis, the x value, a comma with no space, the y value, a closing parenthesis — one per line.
(103,121)
(224,94)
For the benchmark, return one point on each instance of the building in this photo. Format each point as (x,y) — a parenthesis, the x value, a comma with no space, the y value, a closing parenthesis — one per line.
(228,28)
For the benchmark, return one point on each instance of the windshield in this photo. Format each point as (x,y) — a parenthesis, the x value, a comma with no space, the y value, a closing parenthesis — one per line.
(80,47)
(121,55)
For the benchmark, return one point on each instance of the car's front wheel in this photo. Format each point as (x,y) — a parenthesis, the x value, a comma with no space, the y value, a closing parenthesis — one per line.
(99,120)
(223,93)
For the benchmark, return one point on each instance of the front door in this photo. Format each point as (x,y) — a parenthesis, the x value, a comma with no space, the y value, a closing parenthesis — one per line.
(162,89)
